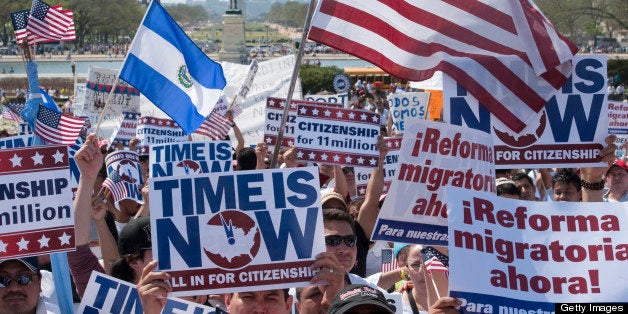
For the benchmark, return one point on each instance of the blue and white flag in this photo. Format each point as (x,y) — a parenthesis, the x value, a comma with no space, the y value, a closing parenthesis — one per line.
(170,70)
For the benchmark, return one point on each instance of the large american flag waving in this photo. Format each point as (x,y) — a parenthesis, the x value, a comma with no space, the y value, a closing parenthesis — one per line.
(504,52)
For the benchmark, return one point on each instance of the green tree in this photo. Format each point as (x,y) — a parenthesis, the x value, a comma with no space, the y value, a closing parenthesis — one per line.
(315,79)
(187,15)
(290,13)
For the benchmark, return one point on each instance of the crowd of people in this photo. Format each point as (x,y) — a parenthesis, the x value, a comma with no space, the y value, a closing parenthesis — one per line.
(348,277)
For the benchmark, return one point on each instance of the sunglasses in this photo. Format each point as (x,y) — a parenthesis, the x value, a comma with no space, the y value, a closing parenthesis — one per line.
(335,240)
(21,280)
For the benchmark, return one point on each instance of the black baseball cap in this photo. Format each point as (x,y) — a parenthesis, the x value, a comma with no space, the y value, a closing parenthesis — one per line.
(135,236)
(30,262)
(359,295)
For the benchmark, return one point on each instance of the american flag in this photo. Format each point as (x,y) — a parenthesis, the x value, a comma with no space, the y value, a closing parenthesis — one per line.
(11,111)
(389,262)
(434,260)
(505,53)
(19,19)
(57,128)
(48,22)
(216,127)
(117,189)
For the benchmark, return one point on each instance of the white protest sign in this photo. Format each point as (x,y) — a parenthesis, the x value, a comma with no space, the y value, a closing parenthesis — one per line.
(433,155)
(152,130)
(618,124)
(106,294)
(271,80)
(16,141)
(341,99)
(407,106)
(527,256)
(569,131)
(97,89)
(190,158)
(126,129)
(124,176)
(237,231)
(337,136)
(391,163)
(36,210)
(274,116)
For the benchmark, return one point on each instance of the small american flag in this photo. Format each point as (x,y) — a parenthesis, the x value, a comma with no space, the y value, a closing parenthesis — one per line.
(19,19)
(57,128)
(434,260)
(389,262)
(11,111)
(117,189)
(48,22)
(216,127)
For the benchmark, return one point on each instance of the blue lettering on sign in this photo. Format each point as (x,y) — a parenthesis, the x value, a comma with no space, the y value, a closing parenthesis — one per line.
(168,234)
(461,111)
(574,111)
(288,227)
(133,191)
(297,182)
(246,192)
(225,188)
(103,290)
(174,306)
(126,299)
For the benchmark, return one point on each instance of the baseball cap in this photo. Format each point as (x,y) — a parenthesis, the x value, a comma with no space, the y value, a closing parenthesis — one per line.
(618,163)
(135,236)
(30,262)
(359,295)
(327,196)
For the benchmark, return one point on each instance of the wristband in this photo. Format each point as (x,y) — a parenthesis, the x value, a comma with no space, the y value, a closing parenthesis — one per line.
(595,186)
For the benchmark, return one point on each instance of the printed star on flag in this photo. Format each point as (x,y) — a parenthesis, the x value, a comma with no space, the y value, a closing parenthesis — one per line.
(38,159)
(43,242)
(58,156)
(23,244)
(16,160)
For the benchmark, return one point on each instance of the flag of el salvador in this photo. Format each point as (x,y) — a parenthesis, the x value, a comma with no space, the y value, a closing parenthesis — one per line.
(171,71)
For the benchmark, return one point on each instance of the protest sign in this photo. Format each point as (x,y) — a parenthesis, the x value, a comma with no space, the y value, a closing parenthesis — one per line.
(190,158)
(125,131)
(16,141)
(618,125)
(36,212)
(337,136)
(274,116)
(151,130)
(341,99)
(391,163)
(106,294)
(24,129)
(433,155)
(271,80)
(124,176)
(97,89)
(527,256)
(407,106)
(237,231)
(569,131)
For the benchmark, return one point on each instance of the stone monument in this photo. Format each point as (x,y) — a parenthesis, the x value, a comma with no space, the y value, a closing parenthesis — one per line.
(233,42)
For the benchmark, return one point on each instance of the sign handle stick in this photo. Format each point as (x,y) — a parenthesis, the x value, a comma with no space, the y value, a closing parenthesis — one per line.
(293,81)
(102,113)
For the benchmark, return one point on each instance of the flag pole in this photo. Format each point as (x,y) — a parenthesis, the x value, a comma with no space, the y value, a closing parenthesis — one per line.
(113,88)
(293,81)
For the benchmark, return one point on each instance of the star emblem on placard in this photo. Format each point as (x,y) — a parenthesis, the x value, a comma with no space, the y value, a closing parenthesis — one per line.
(362,191)
(168,123)
(300,154)
(43,242)
(324,156)
(65,239)
(38,159)
(23,244)
(385,188)
(375,118)
(373,161)
(348,159)
(312,155)
(58,156)
(269,140)
(327,113)
(336,158)
(360,160)
(315,112)
(16,160)
(3,246)
(339,114)
(161,122)
(152,121)
(293,106)
(303,110)
(272,102)
(282,104)
(351,115)
(363,117)
(290,142)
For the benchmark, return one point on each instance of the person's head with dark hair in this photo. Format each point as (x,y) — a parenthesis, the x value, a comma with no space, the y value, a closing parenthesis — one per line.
(354,207)
(360,299)
(340,236)
(526,187)
(246,159)
(502,173)
(134,247)
(506,188)
(567,186)
(20,286)
(266,301)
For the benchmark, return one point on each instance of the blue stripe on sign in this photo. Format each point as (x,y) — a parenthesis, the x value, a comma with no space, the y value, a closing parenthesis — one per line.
(410,232)
(480,303)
